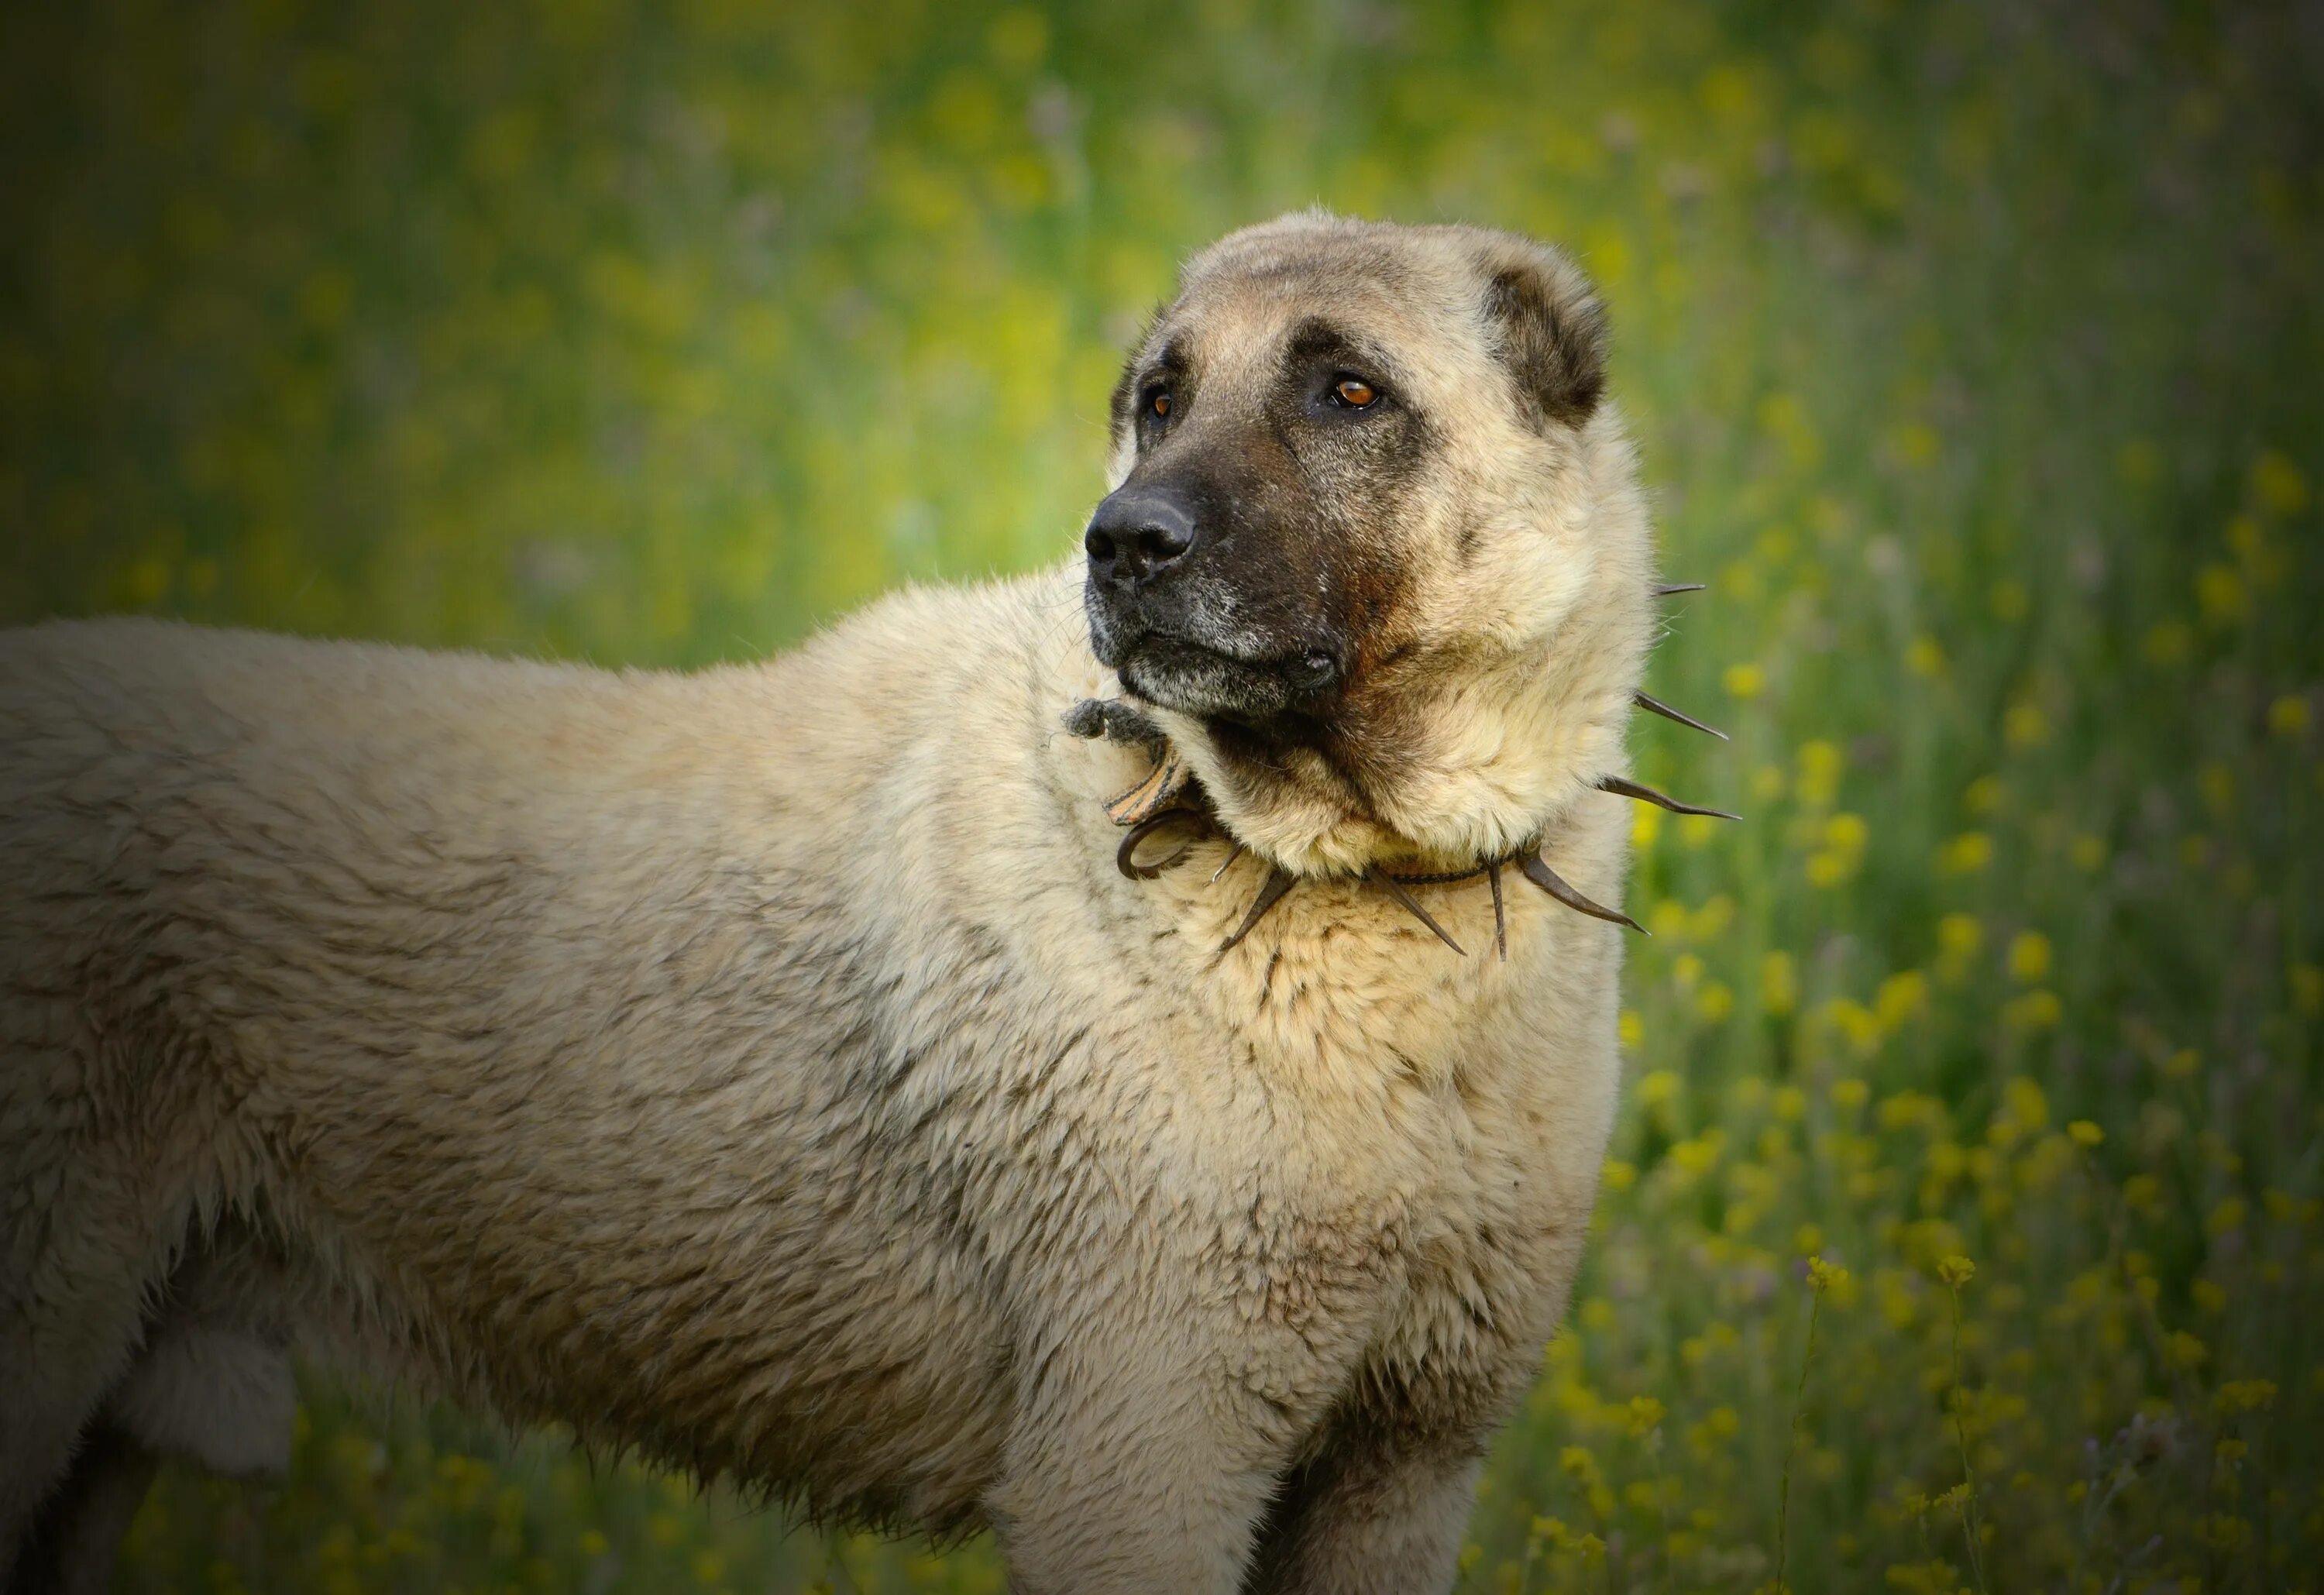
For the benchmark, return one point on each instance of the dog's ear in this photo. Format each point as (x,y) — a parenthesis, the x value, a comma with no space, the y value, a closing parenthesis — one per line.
(1551,332)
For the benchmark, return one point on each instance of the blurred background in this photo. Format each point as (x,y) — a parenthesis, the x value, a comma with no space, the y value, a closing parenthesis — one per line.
(1962,1228)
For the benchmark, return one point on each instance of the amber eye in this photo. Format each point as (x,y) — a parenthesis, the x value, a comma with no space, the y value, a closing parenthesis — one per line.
(1354,393)
(1160,405)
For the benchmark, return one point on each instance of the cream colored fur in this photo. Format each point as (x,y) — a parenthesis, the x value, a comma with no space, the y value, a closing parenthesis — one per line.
(768,1068)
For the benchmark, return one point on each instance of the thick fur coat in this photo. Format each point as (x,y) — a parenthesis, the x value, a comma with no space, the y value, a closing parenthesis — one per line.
(769,1067)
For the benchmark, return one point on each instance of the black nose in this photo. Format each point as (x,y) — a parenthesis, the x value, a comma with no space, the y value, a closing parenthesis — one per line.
(1136,535)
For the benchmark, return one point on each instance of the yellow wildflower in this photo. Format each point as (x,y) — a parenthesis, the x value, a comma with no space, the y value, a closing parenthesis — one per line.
(2278,484)
(2168,643)
(1960,936)
(2029,956)
(1966,855)
(2307,982)
(2234,1396)
(1825,869)
(1645,826)
(1846,832)
(1823,1277)
(2221,595)
(2035,1011)
(1779,988)
(2139,462)
(1821,765)
(1902,996)
(2025,726)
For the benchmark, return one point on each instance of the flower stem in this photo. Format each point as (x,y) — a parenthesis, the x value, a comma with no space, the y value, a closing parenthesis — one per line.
(1792,1442)
(1971,1525)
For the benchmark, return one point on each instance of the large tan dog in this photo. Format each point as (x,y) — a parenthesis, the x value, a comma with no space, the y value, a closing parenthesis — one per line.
(776,1070)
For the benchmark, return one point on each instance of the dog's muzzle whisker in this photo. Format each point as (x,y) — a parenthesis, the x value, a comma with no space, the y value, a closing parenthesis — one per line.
(1669,589)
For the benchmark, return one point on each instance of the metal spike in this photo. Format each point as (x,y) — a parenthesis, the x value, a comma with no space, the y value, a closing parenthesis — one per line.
(1234,854)
(1655,705)
(1552,882)
(1500,920)
(1411,905)
(1278,881)
(1125,857)
(1667,588)
(1627,788)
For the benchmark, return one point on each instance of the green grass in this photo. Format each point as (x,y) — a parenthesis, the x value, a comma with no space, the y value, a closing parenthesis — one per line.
(1974,352)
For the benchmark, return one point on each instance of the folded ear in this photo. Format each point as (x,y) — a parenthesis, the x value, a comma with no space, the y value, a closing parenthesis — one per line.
(1552,331)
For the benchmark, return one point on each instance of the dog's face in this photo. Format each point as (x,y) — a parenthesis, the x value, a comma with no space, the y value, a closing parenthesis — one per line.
(1374,552)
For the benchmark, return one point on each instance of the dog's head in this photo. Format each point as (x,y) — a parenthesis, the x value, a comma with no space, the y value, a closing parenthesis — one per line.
(1375,554)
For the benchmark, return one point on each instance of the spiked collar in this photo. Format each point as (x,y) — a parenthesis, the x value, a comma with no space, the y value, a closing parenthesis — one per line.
(1169,800)
(1169,797)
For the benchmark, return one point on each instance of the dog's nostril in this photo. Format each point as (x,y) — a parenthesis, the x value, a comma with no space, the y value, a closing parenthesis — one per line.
(1162,544)
(1098,543)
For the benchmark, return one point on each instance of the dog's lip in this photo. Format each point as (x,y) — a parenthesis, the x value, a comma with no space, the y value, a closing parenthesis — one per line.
(1309,666)
(1207,679)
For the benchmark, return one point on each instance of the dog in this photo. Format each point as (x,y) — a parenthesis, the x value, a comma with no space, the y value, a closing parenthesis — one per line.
(1119,1057)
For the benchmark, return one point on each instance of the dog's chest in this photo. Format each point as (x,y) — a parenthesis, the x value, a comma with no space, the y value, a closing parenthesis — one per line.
(1425,1255)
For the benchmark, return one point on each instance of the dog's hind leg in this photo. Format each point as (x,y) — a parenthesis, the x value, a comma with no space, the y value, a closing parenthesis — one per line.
(75,1252)
(211,1385)
(53,1389)
(76,1538)
(214,1393)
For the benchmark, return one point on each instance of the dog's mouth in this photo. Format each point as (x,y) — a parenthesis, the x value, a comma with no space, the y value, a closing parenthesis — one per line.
(1269,693)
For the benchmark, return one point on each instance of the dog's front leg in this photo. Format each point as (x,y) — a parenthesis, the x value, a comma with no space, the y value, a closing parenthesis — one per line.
(1136,1468)
(1373,1514)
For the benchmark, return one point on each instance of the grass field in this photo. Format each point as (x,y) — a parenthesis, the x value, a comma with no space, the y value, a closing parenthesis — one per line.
(1965,1223)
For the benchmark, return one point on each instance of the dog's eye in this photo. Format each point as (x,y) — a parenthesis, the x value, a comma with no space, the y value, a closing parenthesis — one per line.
(1354,393)
(1160,404)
